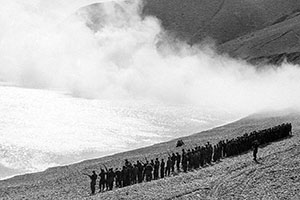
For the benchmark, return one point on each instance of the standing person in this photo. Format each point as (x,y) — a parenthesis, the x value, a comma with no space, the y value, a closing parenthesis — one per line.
(118,174)
(173,159)
(169,165)
(178,159)
(140,171)
(102,181)
(148,172)
(93,178)
(215,158)
(156,169)
(110,178)
(135,174)
(209,153)
(126,176)
(255,150)
(106,178)
(197,158)
(189,159)
(162,168)
(152,163)
(127,163)
(184,163)
(131,174)
(144,168)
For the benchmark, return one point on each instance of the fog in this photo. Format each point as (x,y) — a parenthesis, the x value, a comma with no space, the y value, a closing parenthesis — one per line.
(111,52)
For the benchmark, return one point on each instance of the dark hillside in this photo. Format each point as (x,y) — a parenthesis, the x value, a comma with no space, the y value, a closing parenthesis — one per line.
(259,31)
(222,20)
(272,44)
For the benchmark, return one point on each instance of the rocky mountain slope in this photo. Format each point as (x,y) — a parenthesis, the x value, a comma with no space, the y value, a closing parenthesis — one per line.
(277,175)
(222,20)
(260,31)
(273,44)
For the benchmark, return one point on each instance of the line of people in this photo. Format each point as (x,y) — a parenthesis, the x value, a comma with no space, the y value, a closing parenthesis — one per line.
(188,160)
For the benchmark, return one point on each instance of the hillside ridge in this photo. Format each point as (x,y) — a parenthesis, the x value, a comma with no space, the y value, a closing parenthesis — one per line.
(261,32)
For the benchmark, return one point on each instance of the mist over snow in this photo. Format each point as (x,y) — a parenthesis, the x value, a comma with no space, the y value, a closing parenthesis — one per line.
(108,53)
(122,55)
(41,128)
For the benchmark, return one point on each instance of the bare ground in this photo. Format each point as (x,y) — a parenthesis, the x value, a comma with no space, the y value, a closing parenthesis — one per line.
(275,177)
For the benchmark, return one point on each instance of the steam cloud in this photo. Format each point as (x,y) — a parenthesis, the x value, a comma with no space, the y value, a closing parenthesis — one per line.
(112,52)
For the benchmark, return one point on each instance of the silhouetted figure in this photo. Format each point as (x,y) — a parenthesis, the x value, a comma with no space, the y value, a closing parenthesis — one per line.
(178,159)
(126,176)
(162,168)
(193,158)
(190,160)
(127,163)
(184,161)
(215,156)
(148,172)
(173,159)
(118,174)
(110,178)
(209,152)
(93,178)
(156,169)
(152,163)
(197,158)
(202,155)
(255,150)
(131,174)
(168,167)
(102,181)
(135,171)
(140,171)
(179,143)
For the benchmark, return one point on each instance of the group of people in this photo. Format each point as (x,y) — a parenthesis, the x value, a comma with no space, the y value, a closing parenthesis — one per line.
(187,160)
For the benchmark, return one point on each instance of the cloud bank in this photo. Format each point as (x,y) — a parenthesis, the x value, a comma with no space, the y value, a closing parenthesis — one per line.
(110,51)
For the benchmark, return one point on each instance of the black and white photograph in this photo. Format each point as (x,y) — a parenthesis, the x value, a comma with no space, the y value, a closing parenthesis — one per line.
(149,99)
